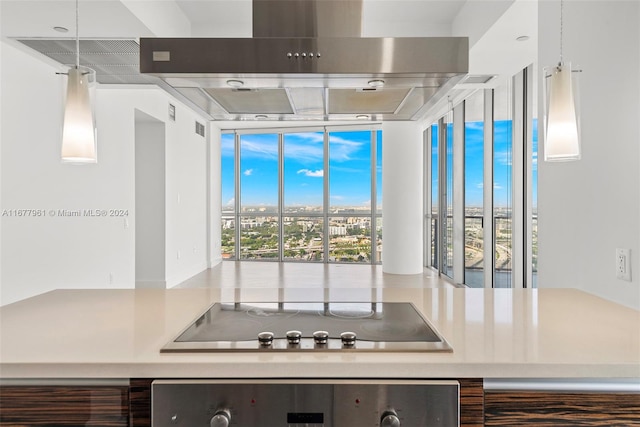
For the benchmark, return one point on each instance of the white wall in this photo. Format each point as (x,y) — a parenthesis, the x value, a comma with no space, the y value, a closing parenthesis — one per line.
(44,253)
(186,207)
(150,200)
(402,156)
(215,192)
(589,208)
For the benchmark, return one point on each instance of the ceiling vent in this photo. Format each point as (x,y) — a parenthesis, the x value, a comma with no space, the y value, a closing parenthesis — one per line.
(476,80)
(115,61)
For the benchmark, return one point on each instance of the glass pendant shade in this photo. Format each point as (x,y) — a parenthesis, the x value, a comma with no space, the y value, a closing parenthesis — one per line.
(78,134)
(562,124)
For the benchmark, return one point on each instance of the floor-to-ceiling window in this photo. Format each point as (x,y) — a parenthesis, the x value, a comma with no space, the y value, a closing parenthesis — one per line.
(312,195)
(350,178)
(433,222)
(259,220)
(447,199)
(377,244)
(534,182)
(502,185)
(303,221)
(474,190)
(227,178)
(497,167)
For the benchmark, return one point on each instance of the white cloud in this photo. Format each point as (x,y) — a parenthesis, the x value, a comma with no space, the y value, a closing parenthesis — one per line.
(503,157)
(247,172)
(304,147)
(337,197)
(496,186)
(315,174)
(255,146)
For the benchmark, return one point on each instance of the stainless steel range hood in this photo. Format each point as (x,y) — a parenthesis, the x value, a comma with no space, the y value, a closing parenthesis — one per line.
(321,72)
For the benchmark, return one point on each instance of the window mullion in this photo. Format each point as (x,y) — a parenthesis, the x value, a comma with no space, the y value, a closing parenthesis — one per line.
(442,189)
(373,229)
(237,192)
(528,176)
(426,232)
(518,183)
(458,194)
(488,214)
(280,214)
(325,195)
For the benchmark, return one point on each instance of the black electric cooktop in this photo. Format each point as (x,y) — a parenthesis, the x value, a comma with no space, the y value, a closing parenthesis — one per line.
(309,326)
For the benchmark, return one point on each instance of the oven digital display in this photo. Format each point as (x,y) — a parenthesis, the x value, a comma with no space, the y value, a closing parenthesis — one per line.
(305,418)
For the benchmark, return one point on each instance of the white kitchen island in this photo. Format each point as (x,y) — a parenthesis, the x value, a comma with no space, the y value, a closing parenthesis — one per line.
(543,356)
(546,333)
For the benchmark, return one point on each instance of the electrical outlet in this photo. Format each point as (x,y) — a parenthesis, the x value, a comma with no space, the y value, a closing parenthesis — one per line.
(623,266)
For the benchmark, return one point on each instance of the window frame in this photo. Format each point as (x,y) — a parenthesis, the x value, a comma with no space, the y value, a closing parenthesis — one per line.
(521,111)
(374,215)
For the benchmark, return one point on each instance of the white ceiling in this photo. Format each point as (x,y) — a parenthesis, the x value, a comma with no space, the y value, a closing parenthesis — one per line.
(491,25)
(396,18)
(205,18)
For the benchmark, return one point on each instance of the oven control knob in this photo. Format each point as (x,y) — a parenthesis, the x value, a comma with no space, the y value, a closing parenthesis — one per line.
(389,419)
(321,337)
(348,339)
(265,338)
(293,337)
(222,418)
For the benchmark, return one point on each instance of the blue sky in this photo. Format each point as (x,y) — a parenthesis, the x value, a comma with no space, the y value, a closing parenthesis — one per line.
(349,169)
(474,164)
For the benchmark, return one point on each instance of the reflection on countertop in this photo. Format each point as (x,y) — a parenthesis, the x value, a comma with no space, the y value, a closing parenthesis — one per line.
(498,333)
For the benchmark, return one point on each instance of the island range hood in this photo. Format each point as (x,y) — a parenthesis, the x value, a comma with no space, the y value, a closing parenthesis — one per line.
(307,61)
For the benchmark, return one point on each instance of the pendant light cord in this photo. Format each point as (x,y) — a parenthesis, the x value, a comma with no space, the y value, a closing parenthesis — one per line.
(561,30)
(77,37)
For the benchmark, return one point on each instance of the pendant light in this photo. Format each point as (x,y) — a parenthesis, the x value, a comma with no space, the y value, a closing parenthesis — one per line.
(78,132)
(562,118)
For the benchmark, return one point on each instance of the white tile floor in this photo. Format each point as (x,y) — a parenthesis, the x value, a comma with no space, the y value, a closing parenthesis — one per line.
(289,275)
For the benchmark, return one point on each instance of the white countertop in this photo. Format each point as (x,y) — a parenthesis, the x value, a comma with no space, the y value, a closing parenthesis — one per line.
(547,333)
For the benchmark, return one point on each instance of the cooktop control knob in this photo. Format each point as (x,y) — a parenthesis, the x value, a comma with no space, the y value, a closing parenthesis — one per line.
(321,337)
(293,337)
(348,339)
(222,418)
(389,419)
(265,338)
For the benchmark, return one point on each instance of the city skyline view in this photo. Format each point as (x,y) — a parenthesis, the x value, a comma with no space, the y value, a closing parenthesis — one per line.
(304,229)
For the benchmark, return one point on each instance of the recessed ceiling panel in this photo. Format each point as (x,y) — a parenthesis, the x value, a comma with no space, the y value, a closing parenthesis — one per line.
(252,101)
(366,101)
(307,100)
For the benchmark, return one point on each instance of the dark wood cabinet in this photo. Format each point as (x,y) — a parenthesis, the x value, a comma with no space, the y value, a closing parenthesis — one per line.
(68,406)
(541,408)
(140,403)
(471,402)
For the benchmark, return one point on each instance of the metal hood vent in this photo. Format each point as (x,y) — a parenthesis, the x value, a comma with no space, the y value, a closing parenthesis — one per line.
(308,61)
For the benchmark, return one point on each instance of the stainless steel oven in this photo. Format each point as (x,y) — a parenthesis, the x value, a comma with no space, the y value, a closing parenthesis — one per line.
(328,403)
